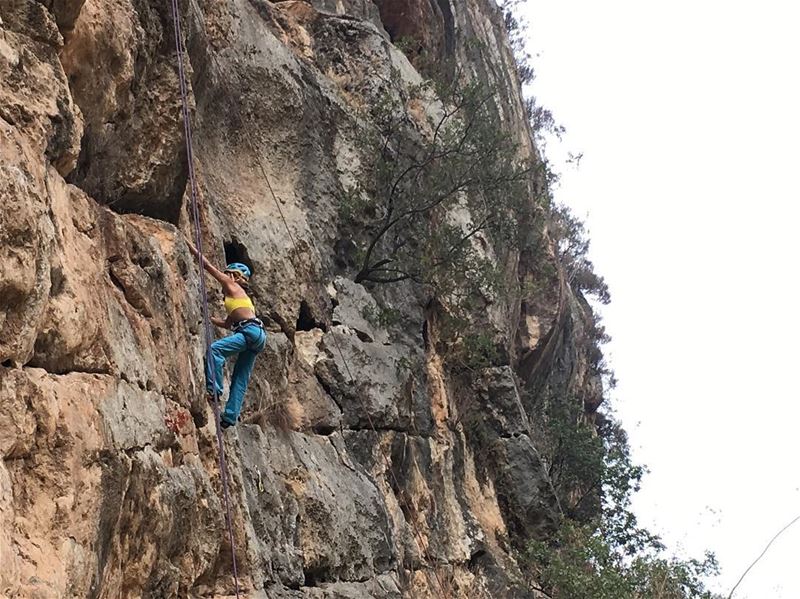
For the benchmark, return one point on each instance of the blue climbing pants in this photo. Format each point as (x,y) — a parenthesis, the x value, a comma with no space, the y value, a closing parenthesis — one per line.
(247,343)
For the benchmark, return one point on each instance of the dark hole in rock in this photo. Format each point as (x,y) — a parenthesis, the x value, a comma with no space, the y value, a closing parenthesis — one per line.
(103,174)
(314,576)
(115,279)
(363,337)
(235,251)
(345,253)
(306,320)
(142,203)
(323,429)
(56,281)
(475,558)
(199,416)
(143,259)
(8,363)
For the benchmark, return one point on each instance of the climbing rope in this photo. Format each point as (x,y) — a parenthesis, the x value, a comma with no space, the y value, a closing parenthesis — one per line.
(388,464)
(187,129)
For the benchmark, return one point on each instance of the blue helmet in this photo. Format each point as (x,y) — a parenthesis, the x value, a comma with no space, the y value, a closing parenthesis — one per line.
(240,268)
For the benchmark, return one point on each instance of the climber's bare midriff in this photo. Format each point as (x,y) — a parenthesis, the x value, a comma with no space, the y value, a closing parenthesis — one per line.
(240,314)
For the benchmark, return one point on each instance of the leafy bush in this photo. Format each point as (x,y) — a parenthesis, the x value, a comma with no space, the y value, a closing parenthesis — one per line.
(581,563)
(600,551)
(475,352)
(573,248)
(574,454)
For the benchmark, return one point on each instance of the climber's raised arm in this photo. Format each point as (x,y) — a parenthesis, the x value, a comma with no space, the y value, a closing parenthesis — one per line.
(229,286)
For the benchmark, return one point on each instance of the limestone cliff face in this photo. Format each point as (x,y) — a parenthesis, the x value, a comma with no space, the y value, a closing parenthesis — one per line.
(109,485)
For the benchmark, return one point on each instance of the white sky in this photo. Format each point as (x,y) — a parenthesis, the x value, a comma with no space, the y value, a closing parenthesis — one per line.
(687,113)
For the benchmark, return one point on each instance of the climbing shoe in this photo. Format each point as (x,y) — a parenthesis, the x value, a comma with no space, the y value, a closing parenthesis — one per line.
(224,424)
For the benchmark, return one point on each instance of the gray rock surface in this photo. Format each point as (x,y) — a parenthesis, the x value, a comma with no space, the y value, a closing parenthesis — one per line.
(358,310)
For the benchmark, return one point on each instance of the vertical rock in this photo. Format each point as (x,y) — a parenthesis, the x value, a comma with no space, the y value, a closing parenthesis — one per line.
(406,473)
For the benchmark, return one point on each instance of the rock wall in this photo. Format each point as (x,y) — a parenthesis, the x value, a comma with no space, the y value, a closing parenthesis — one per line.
(384,480)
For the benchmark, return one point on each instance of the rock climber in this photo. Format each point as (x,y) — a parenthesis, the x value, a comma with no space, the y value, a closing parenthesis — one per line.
(247,340)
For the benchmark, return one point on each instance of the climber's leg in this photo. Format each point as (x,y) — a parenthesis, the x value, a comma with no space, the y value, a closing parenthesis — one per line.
(239,379)
(221,349)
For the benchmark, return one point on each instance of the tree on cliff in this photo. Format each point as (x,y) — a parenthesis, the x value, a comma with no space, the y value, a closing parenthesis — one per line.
(442,195)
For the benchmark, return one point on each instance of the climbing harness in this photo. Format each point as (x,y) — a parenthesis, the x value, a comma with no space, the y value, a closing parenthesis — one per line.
(187,129)
(238,326)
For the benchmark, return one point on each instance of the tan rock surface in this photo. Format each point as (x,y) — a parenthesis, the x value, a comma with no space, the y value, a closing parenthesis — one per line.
(109,483)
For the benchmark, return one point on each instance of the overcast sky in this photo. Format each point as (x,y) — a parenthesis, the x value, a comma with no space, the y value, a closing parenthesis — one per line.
(687,115)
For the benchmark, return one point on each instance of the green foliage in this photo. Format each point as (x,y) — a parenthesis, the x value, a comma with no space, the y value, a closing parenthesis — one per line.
(442,196)
(516,30)
(580,563)
(406,366)
(541,119)
(464,346)
(407,45)
(573,247)
(476,352)
(574,454)
(600,551)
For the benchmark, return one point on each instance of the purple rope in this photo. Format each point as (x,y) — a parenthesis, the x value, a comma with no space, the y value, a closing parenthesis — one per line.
(187,129)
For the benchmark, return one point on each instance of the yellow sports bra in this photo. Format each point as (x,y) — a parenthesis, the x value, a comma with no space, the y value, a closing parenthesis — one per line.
(234,303)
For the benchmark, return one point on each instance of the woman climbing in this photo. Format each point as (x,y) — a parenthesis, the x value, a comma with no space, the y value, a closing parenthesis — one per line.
(247,340)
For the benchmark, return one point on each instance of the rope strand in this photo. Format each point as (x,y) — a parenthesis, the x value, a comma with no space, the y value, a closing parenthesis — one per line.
(187,129)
